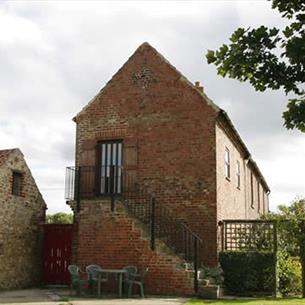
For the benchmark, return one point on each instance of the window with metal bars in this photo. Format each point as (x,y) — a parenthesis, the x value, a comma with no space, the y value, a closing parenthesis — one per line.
(17,184)
(110,167)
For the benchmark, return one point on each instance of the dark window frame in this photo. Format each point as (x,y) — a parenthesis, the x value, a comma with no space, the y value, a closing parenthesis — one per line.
(17,183)
(252,191)
(258,197)
(104,170)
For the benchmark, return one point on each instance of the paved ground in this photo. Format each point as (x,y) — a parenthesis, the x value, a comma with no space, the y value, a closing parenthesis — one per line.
(146,301)
(26,296)
(52,297)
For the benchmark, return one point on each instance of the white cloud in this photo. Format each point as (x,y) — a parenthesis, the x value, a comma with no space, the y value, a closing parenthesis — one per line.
(56,55)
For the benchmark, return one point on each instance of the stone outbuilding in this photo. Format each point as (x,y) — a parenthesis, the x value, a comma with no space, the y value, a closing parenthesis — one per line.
(22,213)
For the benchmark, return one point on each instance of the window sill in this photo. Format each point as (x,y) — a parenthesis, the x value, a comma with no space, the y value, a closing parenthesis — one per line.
(18,195)
(101,196)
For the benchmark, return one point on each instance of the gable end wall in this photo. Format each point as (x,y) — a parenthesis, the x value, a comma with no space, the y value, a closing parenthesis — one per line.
(21,218)
(168,134)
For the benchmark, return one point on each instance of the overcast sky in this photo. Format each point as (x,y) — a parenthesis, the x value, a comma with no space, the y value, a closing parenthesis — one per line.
(55,56)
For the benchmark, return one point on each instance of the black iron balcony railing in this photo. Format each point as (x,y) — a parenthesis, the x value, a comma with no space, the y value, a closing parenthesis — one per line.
(70,187)
(90,181)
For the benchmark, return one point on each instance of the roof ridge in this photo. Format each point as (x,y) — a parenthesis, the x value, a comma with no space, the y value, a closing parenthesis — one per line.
(4,154)
(9,149)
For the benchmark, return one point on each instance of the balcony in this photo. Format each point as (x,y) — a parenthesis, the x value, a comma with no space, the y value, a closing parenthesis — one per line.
(92,181)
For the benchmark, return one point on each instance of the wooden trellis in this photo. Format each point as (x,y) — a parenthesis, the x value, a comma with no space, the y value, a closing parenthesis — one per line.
(249,235)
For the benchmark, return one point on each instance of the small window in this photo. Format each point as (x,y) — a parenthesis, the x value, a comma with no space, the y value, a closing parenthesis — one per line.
(252,195)
(227,163)
(258,198)
(238,174)
(17,184)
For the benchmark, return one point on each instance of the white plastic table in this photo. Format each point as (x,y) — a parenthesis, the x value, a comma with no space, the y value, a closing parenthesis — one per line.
(119,272)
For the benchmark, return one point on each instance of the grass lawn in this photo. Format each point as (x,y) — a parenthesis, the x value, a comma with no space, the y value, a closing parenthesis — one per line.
(248,302)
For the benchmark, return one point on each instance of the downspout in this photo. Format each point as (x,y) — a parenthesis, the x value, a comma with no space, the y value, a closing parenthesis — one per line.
(246,161)
(267,193)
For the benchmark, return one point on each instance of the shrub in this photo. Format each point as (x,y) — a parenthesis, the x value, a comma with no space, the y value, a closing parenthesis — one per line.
(248,273)
(289,275)
(214,273)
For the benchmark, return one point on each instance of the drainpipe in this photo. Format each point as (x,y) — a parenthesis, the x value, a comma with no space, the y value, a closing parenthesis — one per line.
(246,161)
(268,192)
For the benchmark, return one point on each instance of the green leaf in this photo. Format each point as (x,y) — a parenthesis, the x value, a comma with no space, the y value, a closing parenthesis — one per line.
(288,32)
(237,34)
(210,56)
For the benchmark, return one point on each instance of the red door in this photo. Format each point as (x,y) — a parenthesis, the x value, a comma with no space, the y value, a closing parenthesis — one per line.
(56,253)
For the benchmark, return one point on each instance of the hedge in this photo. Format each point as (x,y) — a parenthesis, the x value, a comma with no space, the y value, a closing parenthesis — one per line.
(248,273)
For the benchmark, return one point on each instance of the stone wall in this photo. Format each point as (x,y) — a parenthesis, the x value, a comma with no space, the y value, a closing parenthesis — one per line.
(20,226)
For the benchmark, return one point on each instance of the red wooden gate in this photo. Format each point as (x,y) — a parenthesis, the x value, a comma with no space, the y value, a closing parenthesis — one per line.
(56,253)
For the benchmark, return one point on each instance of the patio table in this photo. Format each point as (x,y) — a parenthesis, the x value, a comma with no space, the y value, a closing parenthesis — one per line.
(119,272)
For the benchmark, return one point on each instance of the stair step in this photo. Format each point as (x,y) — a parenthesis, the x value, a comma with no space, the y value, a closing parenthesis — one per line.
(166,226)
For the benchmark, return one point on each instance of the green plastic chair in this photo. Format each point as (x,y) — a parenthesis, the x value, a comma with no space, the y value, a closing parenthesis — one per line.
(93,272)
(76,282)
(130,270)
(132,278)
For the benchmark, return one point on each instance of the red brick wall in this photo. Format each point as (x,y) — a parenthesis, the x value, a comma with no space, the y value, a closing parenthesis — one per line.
(168,133)
(113,240)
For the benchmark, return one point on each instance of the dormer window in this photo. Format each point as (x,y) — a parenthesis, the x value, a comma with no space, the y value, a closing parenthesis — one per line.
(17,184)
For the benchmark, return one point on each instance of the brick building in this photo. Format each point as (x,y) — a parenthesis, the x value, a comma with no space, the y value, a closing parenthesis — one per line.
(149,124)
(22,212)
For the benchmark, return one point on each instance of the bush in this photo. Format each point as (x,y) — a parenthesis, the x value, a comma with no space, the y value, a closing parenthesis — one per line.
(289,275)
(248,273)
(212,273)
(59,218)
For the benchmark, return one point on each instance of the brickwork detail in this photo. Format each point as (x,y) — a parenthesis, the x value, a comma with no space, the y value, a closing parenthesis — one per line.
(174,143)
(115,240)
